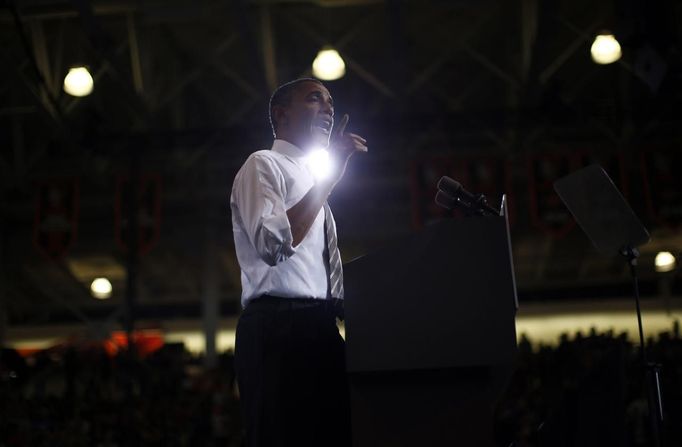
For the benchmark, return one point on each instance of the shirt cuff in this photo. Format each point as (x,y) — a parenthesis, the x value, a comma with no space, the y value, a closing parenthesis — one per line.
(279,240)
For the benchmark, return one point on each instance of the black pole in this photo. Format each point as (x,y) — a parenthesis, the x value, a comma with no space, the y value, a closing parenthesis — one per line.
(632,255)
(132,242)
(651,370)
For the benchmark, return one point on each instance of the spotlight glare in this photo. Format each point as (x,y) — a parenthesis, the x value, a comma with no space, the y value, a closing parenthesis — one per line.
(101,288)
(319,163)
(665,261)
(78,82)
(605,49)
(328,65)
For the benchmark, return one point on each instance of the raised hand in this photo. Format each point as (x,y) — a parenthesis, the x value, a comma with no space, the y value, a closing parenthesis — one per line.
(343,145)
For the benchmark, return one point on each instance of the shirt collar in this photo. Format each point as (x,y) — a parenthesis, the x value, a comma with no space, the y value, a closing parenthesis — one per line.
(288,149)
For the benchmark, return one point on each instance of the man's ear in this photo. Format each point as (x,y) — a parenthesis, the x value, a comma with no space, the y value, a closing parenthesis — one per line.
(280,115)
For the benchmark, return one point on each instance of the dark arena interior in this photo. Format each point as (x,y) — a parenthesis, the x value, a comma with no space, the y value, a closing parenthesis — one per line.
(553,320)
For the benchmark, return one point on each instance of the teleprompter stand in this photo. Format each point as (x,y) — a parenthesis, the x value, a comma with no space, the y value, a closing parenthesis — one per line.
(430,335)
(612,226)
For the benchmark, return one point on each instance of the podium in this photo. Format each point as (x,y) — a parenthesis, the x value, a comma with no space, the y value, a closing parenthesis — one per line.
(430,335)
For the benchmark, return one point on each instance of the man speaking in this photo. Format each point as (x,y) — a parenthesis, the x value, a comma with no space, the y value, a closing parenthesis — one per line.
(289,355)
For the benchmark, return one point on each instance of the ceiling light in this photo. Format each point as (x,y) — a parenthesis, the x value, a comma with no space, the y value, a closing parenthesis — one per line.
(78,82)
(101,288)
(328,65)
(665,261)
(605,49)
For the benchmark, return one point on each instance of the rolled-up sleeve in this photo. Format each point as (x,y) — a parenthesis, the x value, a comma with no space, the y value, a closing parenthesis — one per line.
(258,197)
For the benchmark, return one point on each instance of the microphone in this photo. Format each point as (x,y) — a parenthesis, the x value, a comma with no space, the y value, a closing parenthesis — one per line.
(445,200)
(453,193)
(454,189)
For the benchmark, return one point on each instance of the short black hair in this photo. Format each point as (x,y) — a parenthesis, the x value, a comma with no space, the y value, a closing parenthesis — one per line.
(282,97)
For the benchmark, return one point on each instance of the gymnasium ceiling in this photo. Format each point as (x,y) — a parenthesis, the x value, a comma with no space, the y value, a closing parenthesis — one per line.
(437,87)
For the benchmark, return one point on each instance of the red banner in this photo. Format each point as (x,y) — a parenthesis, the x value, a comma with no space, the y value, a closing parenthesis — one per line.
(663,185)
(56,217)
(147,206)
(547,212)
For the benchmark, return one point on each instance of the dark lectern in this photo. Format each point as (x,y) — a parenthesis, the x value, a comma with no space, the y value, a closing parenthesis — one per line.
(430,335)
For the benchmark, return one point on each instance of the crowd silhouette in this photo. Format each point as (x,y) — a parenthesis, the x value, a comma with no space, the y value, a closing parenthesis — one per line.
(84,397)
(589,390)
(586,390)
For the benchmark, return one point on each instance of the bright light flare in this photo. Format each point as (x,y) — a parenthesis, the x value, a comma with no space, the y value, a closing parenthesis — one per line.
(101,288)
(665,261)
(328,65)
(605,49)
(319,163)
(78,82)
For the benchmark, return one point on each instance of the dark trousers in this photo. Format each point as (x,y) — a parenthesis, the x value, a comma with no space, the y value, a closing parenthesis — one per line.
(290,364)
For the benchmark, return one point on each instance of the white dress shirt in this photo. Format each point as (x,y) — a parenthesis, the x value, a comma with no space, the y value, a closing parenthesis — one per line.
(267,185)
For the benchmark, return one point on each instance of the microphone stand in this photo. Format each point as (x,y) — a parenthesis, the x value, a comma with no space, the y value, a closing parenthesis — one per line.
(652,370)
(451,193)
